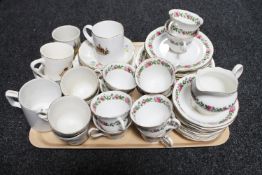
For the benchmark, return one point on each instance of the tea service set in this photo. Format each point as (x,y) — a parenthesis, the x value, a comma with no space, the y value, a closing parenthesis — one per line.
(77,84)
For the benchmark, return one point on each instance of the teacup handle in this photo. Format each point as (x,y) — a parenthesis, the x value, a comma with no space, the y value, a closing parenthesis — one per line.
(169,25)
(167,141)
(173,123)
(37,70)
(11,96)
(122,123)
(99,73)
(87,36)
(238,70)
(95,133)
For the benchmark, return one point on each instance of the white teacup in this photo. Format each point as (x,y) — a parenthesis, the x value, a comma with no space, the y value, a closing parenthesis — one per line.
(184,22)
(69,118)
(81,82)
(34,97)
(111,109)
(154,117)
(107,38)
(155,76)
(56,59)
(215,89)
(67,34)
(120,77)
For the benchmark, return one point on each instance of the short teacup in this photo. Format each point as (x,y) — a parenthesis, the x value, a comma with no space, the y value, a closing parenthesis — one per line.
(111,109)
(120,77)
(154,117)
(69,118)
(107,38)
(81,82)
(67,34)
(155,76)
(100,132)
(215,89)
(56,59)
(35,97)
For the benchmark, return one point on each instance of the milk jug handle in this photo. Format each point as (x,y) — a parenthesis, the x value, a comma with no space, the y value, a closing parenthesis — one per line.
(238,70)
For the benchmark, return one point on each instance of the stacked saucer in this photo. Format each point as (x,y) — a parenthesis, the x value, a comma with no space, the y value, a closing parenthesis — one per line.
(195,125)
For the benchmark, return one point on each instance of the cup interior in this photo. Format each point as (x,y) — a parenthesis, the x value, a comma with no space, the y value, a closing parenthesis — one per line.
(186,17)
(57,50)
(111,104)
(162,73)
(113,29)
(81,82)
(151,111)
(120,76)
(38,94)
(66,33)
(69,115)
(215,80)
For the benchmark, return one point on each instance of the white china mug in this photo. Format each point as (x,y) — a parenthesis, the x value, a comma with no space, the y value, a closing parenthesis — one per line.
(56,59)
(81,82)
(111,109)
(154,117)
(34,98)
(67,34)
(69,118)
(107,38)
(215,89)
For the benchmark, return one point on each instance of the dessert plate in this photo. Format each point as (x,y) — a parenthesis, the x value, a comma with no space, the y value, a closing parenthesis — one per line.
(87,55)
(198,54)
(182,101)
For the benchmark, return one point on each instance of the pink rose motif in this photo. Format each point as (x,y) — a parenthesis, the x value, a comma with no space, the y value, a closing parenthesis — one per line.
(209,108)
(102,98)
(199,36)
(148,64)
(158,99)
(177,14)
(158,33)
(232,109)
(180,86)
(127,100)
(150,46)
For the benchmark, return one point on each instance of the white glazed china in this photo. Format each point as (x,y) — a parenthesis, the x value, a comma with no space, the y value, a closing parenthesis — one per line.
(87,56)
(81,82)
(67,34)
(56,58)
(107,39)
(100,132)
(184,22)
(199,52)
(139,57)
(120,77)
(215,89)
(155,76)
(69,118)
(33,98)
(182,101)
(178,45)
(153,116)
(111,110)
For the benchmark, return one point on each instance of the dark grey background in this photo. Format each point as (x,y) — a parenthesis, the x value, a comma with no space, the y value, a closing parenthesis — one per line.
(234,27)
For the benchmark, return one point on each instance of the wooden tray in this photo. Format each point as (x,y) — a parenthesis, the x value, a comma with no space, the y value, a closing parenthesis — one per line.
(131,139)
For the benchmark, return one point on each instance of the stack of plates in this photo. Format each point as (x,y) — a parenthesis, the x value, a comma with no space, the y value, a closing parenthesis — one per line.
(196,126)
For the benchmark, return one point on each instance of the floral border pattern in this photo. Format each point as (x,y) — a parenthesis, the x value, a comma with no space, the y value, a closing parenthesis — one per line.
(152,63)
(211,108)
(141,103)
(207,55)
(187,16)
(119,66)
(116,123)
(181,31)
(112,96)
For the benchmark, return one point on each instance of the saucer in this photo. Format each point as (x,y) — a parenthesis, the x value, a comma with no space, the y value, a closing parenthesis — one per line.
(198,54)
(182,101)
(87,55)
